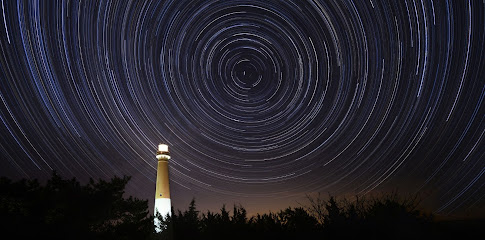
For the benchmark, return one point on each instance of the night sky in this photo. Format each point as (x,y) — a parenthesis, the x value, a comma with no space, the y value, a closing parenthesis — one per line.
(261,102)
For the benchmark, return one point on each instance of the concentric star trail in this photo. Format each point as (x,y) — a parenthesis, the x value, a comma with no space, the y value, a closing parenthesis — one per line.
(259,101)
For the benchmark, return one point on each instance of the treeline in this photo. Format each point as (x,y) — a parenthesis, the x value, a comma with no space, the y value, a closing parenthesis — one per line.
(65,209)
(385,217)
(388,216)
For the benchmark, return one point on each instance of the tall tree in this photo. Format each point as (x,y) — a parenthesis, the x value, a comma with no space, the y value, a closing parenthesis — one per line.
(64,209)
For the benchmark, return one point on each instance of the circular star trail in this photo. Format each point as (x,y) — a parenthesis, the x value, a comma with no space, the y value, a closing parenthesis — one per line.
(259,101)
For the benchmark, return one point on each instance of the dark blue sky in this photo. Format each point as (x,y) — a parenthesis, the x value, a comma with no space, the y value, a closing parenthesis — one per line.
(261,102)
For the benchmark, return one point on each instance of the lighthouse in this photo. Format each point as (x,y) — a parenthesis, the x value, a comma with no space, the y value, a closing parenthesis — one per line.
(162,192)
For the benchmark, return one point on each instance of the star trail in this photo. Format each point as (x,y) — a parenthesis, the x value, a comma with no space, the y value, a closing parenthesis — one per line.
(261,102)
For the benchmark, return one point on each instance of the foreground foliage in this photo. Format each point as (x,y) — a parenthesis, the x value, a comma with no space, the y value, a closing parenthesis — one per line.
(385,217)
(64,209)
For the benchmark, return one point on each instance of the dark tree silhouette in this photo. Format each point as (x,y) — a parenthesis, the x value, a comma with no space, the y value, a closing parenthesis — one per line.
(166,227)
(63,209)
(382,217)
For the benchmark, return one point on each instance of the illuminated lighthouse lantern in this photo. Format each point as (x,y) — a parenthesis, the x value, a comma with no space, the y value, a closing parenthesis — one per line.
(162,192)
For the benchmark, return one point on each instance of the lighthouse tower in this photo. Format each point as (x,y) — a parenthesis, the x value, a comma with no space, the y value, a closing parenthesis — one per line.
(162,192)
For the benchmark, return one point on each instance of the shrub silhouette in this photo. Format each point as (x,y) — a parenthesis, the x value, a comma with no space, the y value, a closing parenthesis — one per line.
(384,217)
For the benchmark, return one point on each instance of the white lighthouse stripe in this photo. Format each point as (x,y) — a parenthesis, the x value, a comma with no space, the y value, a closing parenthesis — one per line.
(163,207)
